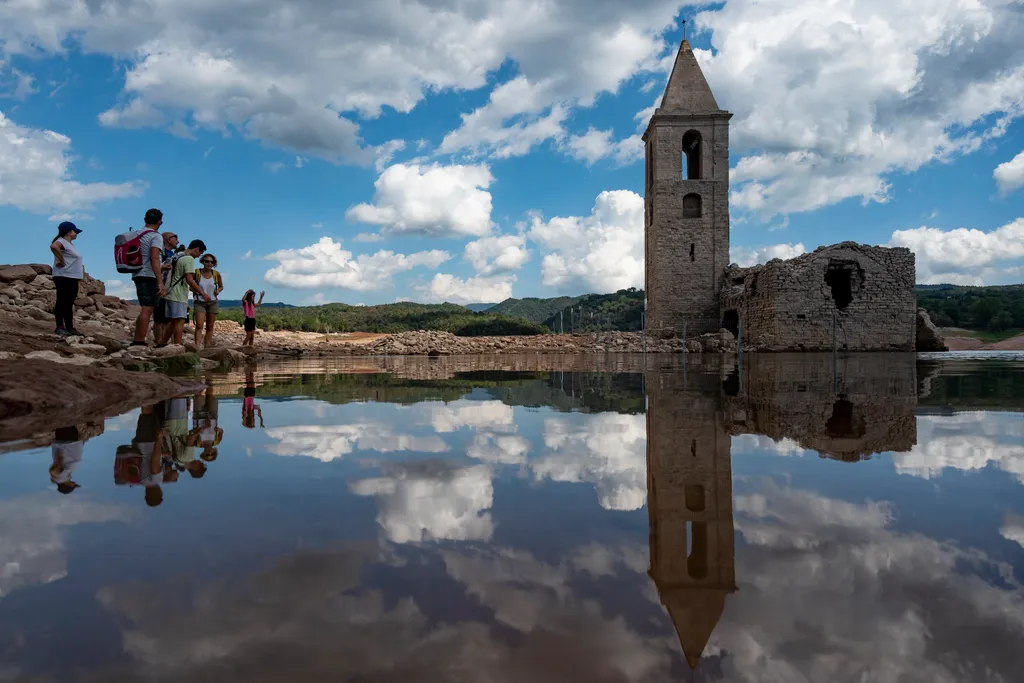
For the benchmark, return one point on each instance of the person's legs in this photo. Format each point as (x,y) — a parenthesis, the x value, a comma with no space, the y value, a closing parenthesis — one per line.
(176,312)
(200,321)
(146,291)
(211,318)
(69,313)
(60,307)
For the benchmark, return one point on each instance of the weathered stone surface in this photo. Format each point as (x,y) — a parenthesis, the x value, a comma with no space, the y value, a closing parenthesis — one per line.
(41,268)
(55,357)
(17,273)
(928,337)
(848,296)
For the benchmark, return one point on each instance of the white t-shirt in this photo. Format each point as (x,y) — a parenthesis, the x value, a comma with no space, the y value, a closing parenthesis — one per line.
(67,455)
(73,266)
(148,241)
(209,287)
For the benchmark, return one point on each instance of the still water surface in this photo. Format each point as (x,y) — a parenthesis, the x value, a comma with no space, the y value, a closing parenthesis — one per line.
(790,519)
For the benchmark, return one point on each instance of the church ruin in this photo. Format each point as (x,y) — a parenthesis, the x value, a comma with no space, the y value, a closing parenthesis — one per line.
(847,296)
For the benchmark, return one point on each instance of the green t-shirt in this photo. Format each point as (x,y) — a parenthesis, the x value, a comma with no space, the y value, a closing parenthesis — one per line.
(179,288)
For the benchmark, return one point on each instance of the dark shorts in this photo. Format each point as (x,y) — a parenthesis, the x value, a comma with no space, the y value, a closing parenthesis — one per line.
(249,391)
(147,291)
(160,312)
(149,424)
(249,324)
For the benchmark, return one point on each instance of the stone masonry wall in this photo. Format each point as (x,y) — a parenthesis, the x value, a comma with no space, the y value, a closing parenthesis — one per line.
(845,409)
(680,286)
(790,305)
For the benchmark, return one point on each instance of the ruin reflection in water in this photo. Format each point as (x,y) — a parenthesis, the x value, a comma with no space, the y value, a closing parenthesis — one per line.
(807,518)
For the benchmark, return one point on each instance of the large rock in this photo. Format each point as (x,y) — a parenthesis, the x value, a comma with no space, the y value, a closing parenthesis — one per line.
(90,286)
(928,337)
(17,274)
(41,268)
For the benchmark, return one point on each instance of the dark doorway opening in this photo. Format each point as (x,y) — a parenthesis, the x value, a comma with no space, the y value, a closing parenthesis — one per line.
(844,278)
(731,384)
(731,322)
(845,423)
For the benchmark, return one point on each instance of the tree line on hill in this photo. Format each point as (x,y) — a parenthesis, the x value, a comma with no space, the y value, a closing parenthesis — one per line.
(975,308)
(388,318)
(993,309)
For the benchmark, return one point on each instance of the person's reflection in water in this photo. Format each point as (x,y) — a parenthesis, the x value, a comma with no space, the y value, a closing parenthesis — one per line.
(141,463)
(249,408)
(204,423)
(182,441)
(66,449)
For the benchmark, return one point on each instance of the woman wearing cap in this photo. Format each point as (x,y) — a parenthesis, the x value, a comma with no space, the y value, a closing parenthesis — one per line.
(68,271)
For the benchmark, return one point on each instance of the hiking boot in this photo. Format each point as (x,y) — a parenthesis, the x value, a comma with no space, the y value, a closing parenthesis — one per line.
(60,332)
(74,333)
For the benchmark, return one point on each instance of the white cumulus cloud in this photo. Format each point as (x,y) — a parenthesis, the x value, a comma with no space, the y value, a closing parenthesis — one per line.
(602,252)
(962,256)
(750,256)
(608,450)
(1010,175)
(497,254)
(35,168)
(831,97)
(449,288)
(325,264)
(331,442)
(432,501)
(430,200)
(594,145)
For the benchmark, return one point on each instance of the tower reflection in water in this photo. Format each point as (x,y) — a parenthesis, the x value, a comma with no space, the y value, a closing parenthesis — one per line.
(845,409)
(689,502)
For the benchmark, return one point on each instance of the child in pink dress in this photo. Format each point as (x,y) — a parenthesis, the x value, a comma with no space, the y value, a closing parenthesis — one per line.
(249,306)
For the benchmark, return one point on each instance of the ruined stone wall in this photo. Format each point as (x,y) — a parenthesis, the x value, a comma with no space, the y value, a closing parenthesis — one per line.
(858,297)
(847,409)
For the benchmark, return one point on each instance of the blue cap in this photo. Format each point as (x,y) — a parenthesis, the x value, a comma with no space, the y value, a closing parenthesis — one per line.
(66,227)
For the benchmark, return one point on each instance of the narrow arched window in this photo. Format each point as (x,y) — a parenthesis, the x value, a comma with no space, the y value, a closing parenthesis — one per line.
(691,155)
(692,206)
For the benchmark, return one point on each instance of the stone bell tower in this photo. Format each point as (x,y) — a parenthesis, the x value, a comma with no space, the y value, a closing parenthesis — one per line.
(686,200)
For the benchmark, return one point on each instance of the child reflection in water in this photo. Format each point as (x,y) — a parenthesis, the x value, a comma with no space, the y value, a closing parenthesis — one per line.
(66,449)
(249,408)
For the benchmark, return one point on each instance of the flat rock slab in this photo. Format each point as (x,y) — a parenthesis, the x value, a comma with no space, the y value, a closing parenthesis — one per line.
(38,396)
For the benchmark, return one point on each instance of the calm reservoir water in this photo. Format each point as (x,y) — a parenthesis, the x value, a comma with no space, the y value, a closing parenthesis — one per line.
(787,519)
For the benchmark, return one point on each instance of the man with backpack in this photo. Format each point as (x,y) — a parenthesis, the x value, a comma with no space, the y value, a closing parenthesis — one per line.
(160,320)
(183,279)
(149,285)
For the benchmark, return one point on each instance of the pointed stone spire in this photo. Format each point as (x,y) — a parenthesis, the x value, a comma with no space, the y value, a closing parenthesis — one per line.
(695,613)
(687,91)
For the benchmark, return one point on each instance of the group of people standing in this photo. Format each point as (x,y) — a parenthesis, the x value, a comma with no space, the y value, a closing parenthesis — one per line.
(163,284)
(169,274)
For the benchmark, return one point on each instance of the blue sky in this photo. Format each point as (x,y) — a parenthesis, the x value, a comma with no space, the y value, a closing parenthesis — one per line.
(473,150)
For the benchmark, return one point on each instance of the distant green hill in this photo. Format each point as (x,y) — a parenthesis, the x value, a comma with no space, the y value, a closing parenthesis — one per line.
(533,309)
(622,311)
(237,303)
(400,317)
(993,309)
